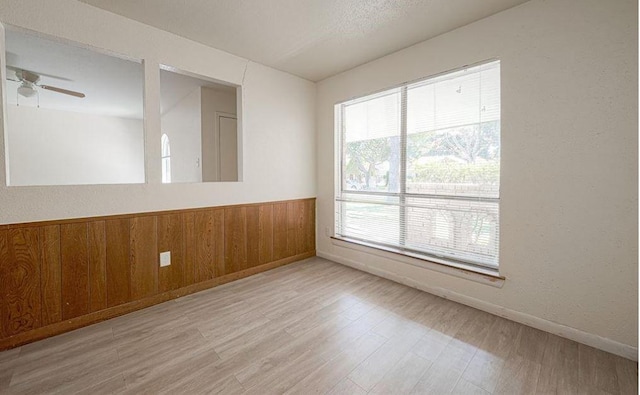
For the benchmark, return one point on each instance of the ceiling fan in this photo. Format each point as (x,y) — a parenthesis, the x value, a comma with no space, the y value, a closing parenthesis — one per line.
(29,81)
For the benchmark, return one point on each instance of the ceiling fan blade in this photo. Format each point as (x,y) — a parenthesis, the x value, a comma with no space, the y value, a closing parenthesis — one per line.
(38,73)
(63,91)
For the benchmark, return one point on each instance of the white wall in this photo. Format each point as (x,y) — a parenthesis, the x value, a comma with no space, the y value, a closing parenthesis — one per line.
(53,147)
(569,163)
(277,121)
(213,101)
(182,124)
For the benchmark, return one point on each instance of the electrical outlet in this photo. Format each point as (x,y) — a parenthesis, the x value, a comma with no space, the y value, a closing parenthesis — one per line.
(165,258)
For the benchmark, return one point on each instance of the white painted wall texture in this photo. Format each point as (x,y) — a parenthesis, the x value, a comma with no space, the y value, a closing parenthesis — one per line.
(277,121)
(53,147)
(182,123)
(569,162)
(213,101)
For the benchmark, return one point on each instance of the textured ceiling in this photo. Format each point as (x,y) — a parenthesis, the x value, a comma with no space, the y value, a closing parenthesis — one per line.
(313,39)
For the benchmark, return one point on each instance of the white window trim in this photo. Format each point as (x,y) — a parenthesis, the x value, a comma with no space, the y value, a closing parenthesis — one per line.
(414,258)
(475,274)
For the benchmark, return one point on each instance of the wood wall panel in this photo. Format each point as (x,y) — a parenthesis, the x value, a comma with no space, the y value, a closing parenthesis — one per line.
(295,222)
(97,266)
(204,246)
(170,239)
(266,234)
(20,305)
(58,275)
(219,263)
(189,245)
(51,276)
(310,225)
(235,239)
(143,257)
(252,230)
(117,261)
(280,231)
(5,284)
(75,269)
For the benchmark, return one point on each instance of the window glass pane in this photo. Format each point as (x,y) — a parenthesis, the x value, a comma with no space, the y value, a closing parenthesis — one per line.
(74,116)
(464,230)
(447,205)
(453,134)
(199,116)
(371,150)
(364,220)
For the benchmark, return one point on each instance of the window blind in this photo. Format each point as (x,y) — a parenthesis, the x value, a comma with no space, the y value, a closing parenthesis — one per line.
(419,167)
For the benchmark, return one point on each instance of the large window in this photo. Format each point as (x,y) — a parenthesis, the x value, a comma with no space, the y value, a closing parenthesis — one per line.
(419,167)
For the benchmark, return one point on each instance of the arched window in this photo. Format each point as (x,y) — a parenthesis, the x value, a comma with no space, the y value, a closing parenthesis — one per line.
(166,160)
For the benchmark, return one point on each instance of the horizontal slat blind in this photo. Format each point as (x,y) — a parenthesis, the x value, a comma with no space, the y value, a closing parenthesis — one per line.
(420,167)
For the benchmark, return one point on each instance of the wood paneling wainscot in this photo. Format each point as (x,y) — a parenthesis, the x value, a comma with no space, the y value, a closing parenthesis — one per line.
(56,276)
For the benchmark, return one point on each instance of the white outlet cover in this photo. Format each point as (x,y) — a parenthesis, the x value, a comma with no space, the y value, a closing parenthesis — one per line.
(165,258)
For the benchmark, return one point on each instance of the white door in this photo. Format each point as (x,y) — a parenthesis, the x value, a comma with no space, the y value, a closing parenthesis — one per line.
(228,155)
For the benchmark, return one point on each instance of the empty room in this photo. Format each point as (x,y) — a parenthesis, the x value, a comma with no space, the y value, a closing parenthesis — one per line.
(319,197)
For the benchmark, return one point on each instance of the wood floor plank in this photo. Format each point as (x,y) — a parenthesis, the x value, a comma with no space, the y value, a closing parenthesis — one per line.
(519,376)
(486,366)
(445,371)
(113,385)
(328,375)
(8,361)
(531,344)
(403,377)
(597,369)
(313,327)
(559,367)
(371,370)
(287,375)
(627,372)
(463,387)
(347,387)
(257,371)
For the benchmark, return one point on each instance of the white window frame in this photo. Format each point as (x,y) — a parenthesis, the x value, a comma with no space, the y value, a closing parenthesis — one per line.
(402,194)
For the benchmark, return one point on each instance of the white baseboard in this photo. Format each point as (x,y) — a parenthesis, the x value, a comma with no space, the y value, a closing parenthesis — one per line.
(577,335)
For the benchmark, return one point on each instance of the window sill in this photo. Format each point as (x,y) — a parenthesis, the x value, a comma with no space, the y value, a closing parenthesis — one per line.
(468,272)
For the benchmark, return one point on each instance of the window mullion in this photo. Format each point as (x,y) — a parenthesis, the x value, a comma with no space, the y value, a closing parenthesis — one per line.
(343,163)
(403,165)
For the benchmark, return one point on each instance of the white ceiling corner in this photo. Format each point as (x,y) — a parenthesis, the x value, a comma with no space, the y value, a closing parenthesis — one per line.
(313,39)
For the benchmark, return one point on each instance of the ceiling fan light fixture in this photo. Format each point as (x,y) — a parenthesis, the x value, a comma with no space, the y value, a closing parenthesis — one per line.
(27,90)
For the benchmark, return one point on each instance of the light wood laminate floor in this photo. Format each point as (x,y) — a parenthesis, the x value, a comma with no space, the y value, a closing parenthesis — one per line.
(312,327)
